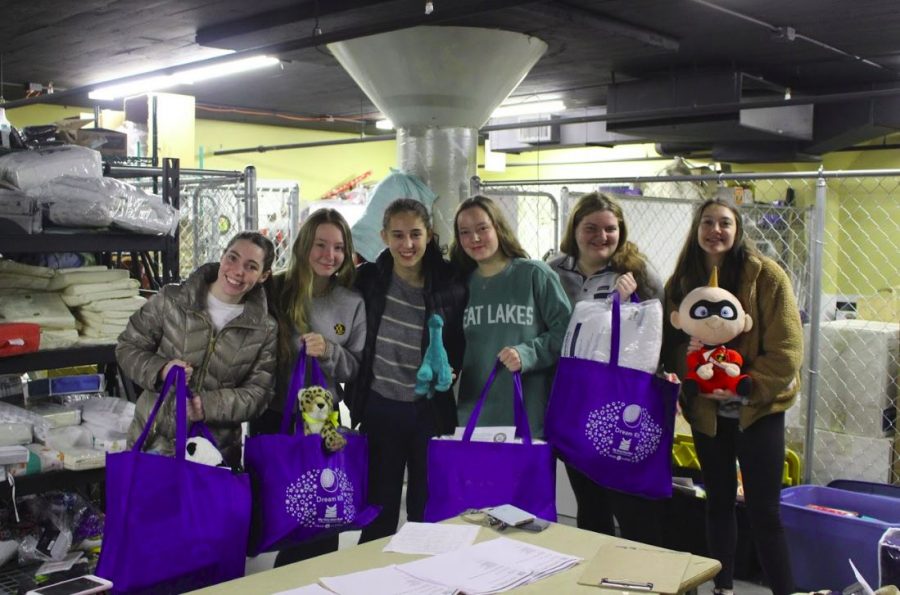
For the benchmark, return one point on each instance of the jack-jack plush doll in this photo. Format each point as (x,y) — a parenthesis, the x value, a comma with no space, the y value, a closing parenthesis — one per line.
(715,316)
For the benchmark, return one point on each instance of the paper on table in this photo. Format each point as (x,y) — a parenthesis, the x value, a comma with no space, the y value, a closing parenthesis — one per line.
(467,572)
(383,581)
(307,590)
(524,556)
(430,538)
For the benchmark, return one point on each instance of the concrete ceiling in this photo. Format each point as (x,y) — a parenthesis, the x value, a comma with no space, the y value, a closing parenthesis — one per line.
(813,47)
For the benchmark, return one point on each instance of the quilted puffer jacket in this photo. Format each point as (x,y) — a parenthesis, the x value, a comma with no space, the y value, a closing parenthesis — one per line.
(233,370)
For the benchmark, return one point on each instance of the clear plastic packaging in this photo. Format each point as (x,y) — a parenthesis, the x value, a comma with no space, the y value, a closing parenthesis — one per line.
(30,169)
(101,202)
(590,331)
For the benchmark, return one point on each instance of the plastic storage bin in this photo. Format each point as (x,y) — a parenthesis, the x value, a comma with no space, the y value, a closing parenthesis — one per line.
(820,543)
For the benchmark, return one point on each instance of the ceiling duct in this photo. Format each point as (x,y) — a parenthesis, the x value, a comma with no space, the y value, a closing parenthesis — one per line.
(774,134)
(439,85)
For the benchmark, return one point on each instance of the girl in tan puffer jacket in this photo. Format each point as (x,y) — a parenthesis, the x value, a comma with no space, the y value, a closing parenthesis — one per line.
(217,327)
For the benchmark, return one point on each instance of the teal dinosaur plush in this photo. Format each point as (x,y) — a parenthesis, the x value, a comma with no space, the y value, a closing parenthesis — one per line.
(435,373)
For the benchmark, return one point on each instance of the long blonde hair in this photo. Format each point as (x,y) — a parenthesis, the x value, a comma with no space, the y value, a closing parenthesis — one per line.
(295,298)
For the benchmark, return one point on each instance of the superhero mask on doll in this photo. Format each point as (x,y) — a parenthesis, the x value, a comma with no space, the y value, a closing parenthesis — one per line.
(714,316)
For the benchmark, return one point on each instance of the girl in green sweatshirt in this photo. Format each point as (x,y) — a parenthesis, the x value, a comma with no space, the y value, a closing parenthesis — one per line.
(517,312)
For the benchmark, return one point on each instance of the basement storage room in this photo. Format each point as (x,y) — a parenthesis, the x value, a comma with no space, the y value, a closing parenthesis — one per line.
(396,296)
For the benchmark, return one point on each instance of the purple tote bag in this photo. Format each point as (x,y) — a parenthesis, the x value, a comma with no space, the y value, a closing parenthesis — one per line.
(299,490)
(463,474)
(172,525)
(612,423)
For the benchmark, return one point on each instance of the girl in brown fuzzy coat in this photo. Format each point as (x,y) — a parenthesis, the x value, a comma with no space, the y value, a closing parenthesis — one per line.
(727,428)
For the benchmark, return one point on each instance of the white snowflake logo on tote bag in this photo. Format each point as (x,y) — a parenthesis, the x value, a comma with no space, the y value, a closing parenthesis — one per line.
(623,432)
(315,498)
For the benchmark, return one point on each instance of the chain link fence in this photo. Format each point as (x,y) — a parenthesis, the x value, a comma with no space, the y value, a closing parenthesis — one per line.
(837,235)
(279,216)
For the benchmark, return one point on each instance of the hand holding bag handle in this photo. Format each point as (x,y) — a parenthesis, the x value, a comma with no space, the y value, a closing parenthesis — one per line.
(523,430)
(175,376)
(298,381)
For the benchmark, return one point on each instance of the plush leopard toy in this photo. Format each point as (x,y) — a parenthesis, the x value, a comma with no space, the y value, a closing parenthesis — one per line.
(319,417)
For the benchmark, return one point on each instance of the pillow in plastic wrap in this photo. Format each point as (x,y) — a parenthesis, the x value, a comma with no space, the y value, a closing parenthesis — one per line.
(29,169)
(40,460)
(367,231)
(46,309)
(100,202)
(108,412)
(15,433)
(590,331)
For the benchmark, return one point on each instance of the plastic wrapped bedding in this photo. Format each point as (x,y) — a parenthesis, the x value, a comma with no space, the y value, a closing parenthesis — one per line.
(109,413)
(46,309)
(29,169)
(97,319)
(101,202)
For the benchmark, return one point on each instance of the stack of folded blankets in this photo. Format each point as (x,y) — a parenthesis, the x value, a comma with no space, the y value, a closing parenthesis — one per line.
(26,296)
(102,299)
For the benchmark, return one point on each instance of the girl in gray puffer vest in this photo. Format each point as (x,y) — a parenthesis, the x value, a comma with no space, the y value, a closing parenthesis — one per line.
(216,325)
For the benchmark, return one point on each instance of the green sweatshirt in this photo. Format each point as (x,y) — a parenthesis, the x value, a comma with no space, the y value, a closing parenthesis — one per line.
(524,306)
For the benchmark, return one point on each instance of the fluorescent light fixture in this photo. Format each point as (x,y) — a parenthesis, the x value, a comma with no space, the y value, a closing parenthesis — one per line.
(529,107)
(384,125)
(188,76)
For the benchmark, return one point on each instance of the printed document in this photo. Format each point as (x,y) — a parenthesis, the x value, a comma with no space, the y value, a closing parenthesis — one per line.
(431,538)
(383,581)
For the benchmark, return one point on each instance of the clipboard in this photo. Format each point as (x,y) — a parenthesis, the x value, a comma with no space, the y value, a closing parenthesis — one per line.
(636,568)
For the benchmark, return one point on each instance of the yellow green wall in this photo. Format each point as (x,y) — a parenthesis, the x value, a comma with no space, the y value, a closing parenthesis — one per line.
(317,170)
(859,258)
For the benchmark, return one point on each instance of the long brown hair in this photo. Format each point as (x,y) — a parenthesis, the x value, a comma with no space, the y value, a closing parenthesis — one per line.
(690,268)
(295,298)
(626,258)
(506,239)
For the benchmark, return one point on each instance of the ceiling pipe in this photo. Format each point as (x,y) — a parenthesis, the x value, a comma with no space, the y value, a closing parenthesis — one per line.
(455,11)
(790,34)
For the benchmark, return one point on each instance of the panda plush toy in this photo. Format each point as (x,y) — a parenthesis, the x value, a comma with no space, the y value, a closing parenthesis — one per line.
(200,450)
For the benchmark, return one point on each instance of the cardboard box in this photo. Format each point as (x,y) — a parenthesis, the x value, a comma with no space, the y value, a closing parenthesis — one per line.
(110,143)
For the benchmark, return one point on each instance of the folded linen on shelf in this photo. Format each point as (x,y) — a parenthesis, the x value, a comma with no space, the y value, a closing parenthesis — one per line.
(46,309)
(19,281)
(96,319)
(58,338)
(79,300)
(86,289)
(11,267)
(85,275)
(126,304)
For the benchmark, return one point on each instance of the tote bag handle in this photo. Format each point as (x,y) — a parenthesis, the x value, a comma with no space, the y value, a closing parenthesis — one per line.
(298,381)
(521,419)
(175,376)
(615,339)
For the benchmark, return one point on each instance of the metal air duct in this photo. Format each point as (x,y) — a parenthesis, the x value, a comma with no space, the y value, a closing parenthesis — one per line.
(439,85)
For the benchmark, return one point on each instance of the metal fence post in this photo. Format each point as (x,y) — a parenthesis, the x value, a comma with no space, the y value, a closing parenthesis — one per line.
(474,185)
(251,210)
(817,241)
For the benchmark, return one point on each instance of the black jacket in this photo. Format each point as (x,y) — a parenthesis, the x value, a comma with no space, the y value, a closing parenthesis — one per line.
(445,294)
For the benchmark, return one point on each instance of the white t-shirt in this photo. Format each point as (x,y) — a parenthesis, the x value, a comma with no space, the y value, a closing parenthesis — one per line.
(221,312)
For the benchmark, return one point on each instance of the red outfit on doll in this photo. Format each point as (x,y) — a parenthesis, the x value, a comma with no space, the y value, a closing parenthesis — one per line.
(720,379)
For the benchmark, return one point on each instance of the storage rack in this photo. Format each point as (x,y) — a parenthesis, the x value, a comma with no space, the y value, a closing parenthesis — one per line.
(159,254)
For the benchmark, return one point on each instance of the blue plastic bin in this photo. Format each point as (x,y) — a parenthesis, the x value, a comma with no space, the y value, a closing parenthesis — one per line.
(820,542)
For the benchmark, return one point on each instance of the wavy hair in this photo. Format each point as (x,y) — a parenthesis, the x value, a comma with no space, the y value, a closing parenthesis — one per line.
(690,268)
(506,239)
(626,258)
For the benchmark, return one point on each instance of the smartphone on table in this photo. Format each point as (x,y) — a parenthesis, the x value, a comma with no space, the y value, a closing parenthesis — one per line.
(82,585)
